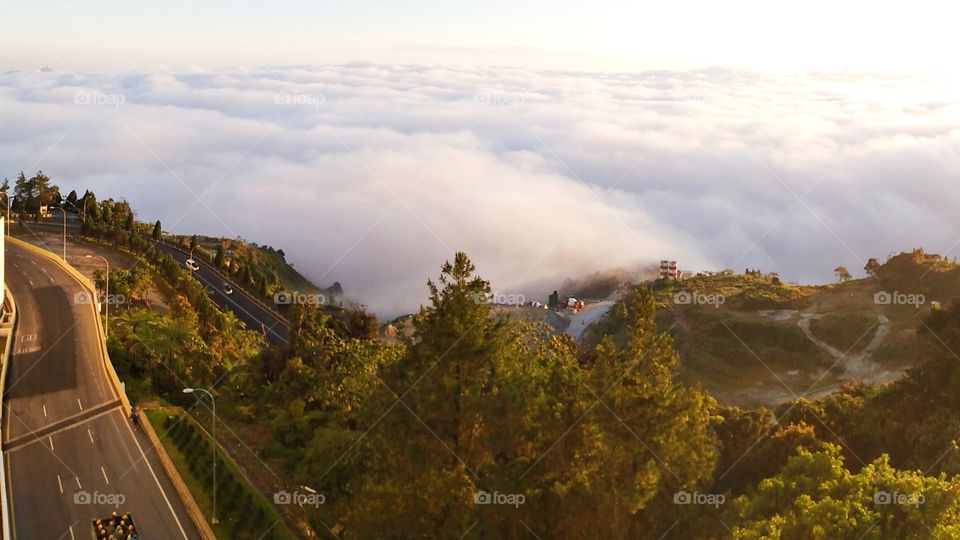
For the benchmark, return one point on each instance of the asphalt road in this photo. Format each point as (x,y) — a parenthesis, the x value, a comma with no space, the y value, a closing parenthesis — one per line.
(275,328)
(248,310)
(71,453)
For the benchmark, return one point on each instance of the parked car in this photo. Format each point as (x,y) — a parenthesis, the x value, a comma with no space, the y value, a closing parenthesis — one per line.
(192,265)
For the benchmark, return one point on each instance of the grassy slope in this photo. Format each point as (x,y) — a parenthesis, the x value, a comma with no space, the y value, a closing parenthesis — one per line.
(267,261)
(202,492)
(744,356)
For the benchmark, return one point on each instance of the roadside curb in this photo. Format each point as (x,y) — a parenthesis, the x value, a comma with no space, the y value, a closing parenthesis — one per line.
(192,507)
(108,365)
(7,355)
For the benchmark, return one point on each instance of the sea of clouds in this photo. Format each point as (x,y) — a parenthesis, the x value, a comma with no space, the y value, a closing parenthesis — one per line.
(373,175)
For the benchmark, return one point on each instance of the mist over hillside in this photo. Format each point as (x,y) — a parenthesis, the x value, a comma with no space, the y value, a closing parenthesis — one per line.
(373,174)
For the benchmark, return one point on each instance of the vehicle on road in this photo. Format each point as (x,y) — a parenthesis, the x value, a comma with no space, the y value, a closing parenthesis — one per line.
(227,289)
(115,526)
(192,264)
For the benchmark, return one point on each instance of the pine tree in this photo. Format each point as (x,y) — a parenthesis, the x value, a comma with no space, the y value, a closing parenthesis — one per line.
(157,231)
(218,259)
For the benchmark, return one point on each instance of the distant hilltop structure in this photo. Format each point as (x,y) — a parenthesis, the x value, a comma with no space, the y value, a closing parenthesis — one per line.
(668,269)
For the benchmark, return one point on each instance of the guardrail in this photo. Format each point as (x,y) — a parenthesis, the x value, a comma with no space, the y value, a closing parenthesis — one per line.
(8,324)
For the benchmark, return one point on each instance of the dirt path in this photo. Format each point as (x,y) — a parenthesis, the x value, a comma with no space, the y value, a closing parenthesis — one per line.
(857,365)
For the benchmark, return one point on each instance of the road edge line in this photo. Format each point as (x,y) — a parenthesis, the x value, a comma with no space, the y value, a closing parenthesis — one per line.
(178,484)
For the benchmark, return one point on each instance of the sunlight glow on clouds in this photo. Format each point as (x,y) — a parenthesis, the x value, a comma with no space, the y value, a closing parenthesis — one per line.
(373,174)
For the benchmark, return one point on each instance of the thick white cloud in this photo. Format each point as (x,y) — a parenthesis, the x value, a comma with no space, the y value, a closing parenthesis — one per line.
(373,175)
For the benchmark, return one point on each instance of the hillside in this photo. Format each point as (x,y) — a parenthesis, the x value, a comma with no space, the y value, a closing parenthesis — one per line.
(262,262)
(750,339)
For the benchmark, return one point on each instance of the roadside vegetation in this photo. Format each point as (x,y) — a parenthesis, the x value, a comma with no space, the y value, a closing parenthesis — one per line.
(242,512)
(485,425)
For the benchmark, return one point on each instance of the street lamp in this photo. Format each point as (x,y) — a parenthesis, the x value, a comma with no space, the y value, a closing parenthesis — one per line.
(64,233)
(214,401)
(106,329)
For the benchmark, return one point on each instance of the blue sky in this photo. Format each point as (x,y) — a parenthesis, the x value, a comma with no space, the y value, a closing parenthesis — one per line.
(595,35)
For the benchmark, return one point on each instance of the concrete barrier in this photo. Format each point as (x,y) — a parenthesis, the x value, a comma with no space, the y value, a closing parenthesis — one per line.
(105,357)
(192,507)
(8,325)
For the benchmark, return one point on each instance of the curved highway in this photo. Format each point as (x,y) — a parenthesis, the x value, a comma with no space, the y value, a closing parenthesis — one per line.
(249,310)
(71,453)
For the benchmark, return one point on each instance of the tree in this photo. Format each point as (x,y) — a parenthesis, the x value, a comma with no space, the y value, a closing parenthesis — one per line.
(842,273)
(5,190)
(23,193)
(157,231)
(218,259)
(42,191)
(488,405)
(72,198)
(194,242)
(106,213)
(128,223)
(816,496)
(871,267)
(262,287)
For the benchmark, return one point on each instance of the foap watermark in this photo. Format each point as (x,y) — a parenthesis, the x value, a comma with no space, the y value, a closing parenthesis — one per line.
(905,499)
(499,99)
(507,499)
(102,499)
(895,298)
(707,499)
(299,498)
(503,299)
(297,98)
(84,297)
(693,298)
(286,298)
(99,98)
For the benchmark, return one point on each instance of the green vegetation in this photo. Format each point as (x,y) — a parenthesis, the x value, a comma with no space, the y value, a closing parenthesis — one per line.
(242,511)
(847,332)
(602,439)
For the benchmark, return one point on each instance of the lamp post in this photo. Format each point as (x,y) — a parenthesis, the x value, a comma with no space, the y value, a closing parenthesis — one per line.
(106,329)
(64,233)
(214,401)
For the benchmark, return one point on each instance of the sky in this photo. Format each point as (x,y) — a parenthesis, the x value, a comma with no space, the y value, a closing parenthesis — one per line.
(559,34)
(370,141)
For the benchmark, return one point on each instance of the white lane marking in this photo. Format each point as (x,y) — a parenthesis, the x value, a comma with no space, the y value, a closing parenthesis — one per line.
(44,270)
(157,480)
(31,282)
(72,537)
(50,438)
(44,410)
(59,483)
(104,474)
(78,482)
(80,404)
(90,433)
